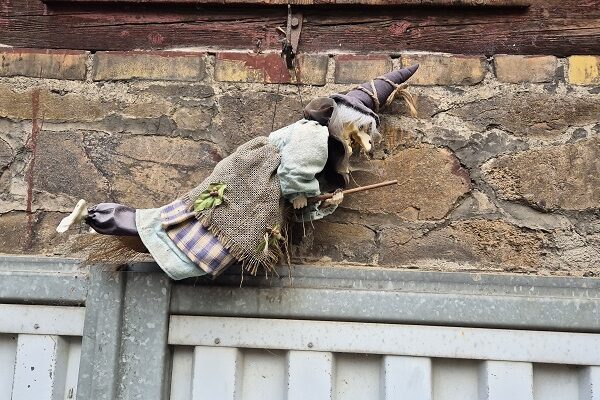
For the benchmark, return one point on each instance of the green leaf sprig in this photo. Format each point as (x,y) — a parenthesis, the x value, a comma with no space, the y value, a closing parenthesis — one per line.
(271,240)
(212,197)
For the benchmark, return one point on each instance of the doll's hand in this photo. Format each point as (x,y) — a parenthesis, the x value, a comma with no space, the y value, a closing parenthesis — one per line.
(336,200)
(299,202)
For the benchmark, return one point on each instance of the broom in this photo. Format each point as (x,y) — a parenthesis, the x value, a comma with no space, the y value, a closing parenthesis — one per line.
(120,250)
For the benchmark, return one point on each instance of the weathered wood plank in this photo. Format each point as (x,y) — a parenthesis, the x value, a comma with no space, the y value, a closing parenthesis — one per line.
(456,3)
(553,27)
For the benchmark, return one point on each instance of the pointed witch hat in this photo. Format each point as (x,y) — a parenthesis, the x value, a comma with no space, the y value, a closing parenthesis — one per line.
(366,98)
(370,96)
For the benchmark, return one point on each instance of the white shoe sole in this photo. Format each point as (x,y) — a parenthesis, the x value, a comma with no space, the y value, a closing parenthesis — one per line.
(76,216)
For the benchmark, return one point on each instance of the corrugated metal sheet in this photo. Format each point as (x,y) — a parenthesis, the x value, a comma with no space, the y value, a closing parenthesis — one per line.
(325,334)
(40,349)
(284,359)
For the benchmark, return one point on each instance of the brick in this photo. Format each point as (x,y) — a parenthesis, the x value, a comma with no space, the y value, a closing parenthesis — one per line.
(584,70)
(269,68)
(313,68)
(441,69)
(359,68)
(431,181)
(518,69)
(167,66)
(54,64)
(557,177)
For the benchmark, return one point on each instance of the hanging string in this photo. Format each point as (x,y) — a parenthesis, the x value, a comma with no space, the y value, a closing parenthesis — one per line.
(275,107)
(298,83)
(296,77)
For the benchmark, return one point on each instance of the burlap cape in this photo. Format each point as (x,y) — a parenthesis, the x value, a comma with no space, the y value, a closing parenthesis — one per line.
(253,203)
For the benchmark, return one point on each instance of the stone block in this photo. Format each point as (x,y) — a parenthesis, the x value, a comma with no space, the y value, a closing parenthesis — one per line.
(245,115)
(584,70)
(483,244)
(341,241)
(51,243)
(431,180)
(62,167)
(49,106)
(55,64)
(164,65)
(196,118)
(6,154)
(178,91)
(14,235)
(396,133)
(269,68)
(73,107)
(16,105)
(443,69)
(34,233)
(147,108)
(558,177)
(518,69)
(150,171)
(529,114)
(360,68)
(475,148)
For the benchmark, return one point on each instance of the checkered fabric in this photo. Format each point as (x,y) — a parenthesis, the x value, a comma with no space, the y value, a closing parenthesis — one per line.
(202,247)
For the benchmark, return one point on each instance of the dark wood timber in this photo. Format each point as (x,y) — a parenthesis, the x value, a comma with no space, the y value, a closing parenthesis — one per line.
(559,27)
(473,3)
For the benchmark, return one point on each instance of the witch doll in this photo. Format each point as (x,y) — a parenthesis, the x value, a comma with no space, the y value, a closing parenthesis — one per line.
(239,213)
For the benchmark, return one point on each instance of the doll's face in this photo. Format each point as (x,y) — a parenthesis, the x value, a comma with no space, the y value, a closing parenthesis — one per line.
(358,137)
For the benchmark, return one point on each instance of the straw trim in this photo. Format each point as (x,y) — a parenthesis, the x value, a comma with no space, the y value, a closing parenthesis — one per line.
(399,89)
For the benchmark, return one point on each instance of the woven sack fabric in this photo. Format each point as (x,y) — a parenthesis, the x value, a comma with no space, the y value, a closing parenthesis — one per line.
(253,203)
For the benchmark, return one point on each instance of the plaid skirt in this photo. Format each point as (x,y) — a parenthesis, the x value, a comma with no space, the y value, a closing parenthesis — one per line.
(193,239)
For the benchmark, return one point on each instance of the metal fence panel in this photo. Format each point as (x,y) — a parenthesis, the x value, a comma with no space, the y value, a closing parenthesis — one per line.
(322,333)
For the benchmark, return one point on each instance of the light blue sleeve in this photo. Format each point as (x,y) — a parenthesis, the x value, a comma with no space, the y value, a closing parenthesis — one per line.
(303,156)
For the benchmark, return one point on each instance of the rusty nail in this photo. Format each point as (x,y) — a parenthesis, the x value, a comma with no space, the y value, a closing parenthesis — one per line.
(310,345)
(295,22)
(36,326)
(217,341)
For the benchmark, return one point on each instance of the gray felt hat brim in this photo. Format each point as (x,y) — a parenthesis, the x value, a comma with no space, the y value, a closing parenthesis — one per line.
(355,103)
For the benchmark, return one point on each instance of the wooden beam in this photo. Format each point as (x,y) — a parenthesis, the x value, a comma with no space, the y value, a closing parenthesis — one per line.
(445,3)
(547,27)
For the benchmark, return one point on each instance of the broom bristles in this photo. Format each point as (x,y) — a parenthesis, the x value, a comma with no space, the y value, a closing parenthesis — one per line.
(111,250)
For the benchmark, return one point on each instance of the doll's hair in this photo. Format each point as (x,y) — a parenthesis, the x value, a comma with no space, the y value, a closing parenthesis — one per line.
(343,113)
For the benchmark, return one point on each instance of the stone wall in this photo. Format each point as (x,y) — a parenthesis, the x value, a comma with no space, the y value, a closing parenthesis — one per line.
(499,172)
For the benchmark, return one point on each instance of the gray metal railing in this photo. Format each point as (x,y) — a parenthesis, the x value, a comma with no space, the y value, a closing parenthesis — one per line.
(124,344)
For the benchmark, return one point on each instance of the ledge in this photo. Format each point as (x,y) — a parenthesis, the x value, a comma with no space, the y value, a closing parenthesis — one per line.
(396,296)
(365,294)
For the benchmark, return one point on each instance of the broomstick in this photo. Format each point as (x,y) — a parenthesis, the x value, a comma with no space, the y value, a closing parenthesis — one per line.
(117,250)
(326,196)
